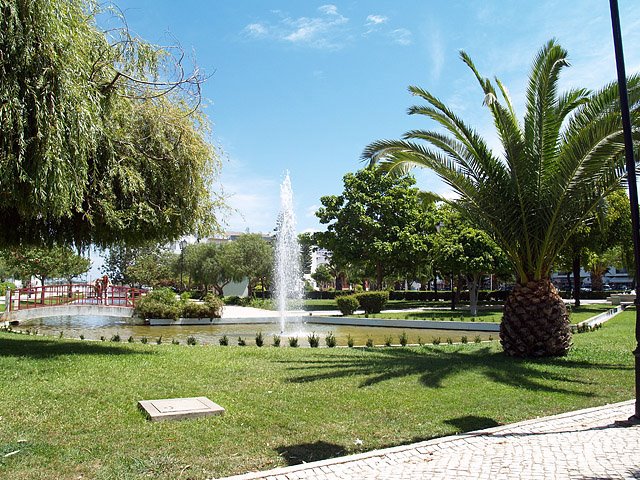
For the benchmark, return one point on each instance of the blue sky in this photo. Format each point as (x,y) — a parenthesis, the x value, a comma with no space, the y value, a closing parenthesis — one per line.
(304,86)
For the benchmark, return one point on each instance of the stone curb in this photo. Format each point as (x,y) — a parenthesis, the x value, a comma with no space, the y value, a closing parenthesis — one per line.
(436,441)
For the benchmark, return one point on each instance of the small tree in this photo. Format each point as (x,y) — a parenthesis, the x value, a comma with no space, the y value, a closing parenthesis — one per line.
(46,263)
(463,250)
(378,223)
(253,257)
(323,276)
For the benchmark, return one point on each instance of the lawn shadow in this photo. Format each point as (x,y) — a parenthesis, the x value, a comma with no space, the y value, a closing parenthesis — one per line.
(310,452)
(469,423)
(43,348)
(433,365)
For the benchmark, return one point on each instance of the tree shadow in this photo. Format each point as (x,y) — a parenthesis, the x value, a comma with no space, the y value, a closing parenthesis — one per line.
(469,423)
(310,452)
(434,365)
(43,348)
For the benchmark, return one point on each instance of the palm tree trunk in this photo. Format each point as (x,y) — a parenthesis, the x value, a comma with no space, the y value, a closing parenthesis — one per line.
(535,321)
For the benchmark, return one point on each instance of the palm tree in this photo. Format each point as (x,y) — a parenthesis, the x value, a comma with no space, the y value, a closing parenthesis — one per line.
(554,169)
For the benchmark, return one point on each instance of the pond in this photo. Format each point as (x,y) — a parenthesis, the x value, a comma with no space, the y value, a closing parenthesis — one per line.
(95,327)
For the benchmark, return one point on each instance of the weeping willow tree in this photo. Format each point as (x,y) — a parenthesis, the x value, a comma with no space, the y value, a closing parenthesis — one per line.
(102,137)
(553,170)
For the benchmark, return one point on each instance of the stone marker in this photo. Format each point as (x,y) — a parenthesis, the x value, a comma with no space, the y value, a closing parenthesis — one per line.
(179,408)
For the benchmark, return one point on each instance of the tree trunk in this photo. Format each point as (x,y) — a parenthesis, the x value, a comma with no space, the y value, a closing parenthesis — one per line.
(569,283)
(435,287)
(42,279)
(596,282)
(577,283)
(474,283)
(379,275)
(453,294)
(535,321)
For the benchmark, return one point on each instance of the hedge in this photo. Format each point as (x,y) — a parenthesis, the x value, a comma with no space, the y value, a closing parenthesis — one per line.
(373,302)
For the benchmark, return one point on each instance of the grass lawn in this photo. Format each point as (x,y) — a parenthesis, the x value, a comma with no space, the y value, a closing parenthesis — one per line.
(69,410)
(489,315)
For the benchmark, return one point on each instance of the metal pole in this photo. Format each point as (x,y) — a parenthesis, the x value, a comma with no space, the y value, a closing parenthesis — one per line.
(633,188)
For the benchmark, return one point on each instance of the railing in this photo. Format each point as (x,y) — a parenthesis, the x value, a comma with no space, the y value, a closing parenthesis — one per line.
(71,294)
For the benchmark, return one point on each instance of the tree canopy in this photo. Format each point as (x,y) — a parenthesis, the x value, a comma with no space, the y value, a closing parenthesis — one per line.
(46,263)
(102,136)
(378,222)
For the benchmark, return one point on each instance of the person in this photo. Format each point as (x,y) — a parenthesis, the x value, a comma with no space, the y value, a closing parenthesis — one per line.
(97,285)
(105,288)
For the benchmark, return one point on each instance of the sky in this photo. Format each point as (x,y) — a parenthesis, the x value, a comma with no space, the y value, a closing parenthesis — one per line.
(304,86)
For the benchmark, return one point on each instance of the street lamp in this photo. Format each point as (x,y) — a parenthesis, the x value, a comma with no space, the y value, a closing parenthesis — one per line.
(631,181)
(183,244)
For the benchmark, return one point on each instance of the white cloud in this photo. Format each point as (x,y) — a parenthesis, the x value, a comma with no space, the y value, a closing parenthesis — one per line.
(375,20)
(256,30)
(436,52)
(401,36)
(324,30)
(329,9)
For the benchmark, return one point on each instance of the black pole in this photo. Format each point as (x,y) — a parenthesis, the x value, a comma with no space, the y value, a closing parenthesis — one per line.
(631,177)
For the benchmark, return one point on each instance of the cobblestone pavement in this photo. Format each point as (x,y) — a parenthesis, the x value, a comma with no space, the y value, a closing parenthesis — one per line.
(585,445)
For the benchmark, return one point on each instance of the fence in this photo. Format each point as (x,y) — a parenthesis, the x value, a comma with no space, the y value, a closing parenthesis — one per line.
(71,294)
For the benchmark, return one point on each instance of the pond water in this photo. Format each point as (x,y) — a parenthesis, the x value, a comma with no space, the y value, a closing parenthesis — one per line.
(95,327)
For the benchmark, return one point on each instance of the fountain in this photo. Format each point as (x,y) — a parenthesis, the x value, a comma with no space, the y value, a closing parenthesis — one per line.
(288,273)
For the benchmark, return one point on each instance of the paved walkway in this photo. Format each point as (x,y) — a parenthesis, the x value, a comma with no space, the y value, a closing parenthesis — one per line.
(585,444)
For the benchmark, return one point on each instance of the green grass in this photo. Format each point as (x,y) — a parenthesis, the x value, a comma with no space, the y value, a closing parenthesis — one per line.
(585,312)
(69,407)
(492,315)
(310,304)
(485,315)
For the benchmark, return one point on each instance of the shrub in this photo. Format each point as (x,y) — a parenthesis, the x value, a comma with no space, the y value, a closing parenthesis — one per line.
(259,339)
(373,302)
(224,340)
(349,341)
(435,340)
(477,339)
(195,310)
(347,304)
(175,342)
(330,340)
(144,340)
(115,338)
(159,340)
(276,341)
(449,340)
(150,307)
(388,340)
(241,342)
(314,340)
(293,341)
(369,343)
(214,304)
(265,304)
(164,295)
(81,337)
(464,339)
(404,339)
(191,340)
(130,339)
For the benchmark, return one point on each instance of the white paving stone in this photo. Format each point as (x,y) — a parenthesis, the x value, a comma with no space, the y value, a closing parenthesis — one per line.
(582,444)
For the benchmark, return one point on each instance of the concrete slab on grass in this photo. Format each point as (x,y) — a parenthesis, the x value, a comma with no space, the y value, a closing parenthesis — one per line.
(179,408)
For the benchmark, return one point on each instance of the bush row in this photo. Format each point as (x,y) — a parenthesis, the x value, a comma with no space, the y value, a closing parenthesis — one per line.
(370,302)
(163,303)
